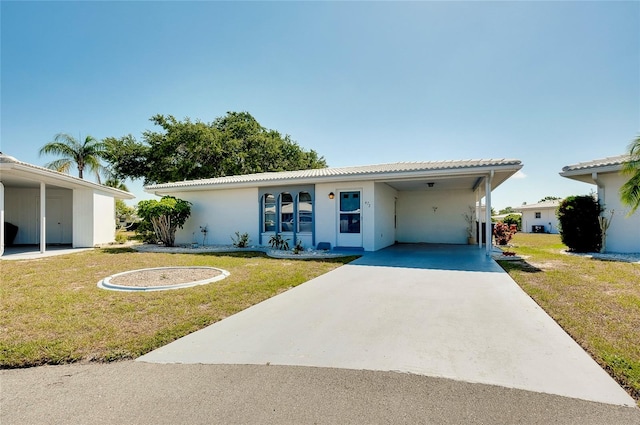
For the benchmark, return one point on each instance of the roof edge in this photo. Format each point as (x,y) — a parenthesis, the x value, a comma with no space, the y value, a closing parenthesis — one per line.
(340,173)
(10,162)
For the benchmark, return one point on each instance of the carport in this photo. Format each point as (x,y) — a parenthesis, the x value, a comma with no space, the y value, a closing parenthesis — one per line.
(52,208)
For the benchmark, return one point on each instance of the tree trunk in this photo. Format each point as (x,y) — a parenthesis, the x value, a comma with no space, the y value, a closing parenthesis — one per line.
(165,232)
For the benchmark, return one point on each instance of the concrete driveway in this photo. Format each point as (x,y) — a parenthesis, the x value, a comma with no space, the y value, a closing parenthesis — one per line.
(440,311)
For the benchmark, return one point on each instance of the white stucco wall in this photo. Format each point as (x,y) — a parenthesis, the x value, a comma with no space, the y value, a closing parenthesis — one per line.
(104,219)
(624,232)
(418,222)
(384,215)
(22,208)
(82,218)
(224,212)
(547,219)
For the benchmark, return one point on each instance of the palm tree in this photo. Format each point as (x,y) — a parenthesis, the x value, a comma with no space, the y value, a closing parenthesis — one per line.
(116,183)
(630,191)
(85,155)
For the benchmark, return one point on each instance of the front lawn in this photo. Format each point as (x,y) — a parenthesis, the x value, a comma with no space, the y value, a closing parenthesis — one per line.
(53,312)
(596,302)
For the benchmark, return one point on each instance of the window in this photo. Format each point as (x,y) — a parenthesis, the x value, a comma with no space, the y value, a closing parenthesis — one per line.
(349,212)
(269,208)
(538,215)
(286,212)
(305,212)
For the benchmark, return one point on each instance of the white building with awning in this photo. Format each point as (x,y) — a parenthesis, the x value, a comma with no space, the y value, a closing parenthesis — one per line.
(363,207)
(52,208)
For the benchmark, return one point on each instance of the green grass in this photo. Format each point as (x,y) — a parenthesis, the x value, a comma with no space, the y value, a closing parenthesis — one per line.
(597,302)
(53,312)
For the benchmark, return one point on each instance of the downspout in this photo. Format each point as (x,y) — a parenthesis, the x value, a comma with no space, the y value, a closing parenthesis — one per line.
(600,185)
(489,243)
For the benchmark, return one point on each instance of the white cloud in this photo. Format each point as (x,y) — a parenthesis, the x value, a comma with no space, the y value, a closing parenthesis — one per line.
(519,175)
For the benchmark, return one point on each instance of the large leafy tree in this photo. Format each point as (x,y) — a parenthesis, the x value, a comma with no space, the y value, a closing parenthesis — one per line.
(85,154)
(630,191)
(185,150)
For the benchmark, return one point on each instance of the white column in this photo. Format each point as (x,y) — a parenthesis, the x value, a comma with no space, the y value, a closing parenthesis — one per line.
(43,218)
(478,218)
(488,212)
(1,218)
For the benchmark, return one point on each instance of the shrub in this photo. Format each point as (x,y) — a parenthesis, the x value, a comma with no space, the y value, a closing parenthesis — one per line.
(579,226)
(503,233)
(298,248)
(121,238)
(241,240)
(278,242)
(165,216)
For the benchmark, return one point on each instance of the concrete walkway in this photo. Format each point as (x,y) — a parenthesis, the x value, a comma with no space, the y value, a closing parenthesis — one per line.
(31,252)
(439,311)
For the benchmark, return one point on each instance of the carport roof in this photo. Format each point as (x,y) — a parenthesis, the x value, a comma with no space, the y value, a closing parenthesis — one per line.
(15,173)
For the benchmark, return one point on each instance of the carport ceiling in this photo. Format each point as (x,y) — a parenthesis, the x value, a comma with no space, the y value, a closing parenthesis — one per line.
(438,184)
(448,182)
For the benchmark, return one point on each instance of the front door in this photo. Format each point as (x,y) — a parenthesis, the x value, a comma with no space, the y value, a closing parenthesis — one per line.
(349,219)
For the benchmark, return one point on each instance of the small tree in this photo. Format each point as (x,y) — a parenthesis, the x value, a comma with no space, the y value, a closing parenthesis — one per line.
(124,214)
(513,219)
(579,226)
(166,216)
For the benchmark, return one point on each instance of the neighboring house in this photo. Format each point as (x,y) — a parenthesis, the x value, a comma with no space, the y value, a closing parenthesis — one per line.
(624,233)
(49,207)
(540,217)
(366,207)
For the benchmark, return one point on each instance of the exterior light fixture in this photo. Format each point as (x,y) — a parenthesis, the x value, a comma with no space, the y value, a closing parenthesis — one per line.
(331,195)
(430,184)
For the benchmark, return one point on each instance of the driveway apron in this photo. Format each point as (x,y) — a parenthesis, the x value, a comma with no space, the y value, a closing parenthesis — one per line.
(437,310)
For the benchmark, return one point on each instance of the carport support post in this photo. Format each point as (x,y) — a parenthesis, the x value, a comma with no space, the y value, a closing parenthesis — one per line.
(43,218)
(488,212)
(1,218)
(478,218)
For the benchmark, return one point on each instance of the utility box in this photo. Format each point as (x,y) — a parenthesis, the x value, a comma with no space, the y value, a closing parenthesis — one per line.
(537,228)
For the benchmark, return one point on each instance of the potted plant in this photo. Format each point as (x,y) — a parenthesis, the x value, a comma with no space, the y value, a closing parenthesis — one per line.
(470,218)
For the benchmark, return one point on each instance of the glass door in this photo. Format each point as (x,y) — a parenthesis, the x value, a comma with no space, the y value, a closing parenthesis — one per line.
(349,215)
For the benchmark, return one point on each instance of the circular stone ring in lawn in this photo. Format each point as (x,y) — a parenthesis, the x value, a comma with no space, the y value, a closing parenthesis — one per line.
(162,278)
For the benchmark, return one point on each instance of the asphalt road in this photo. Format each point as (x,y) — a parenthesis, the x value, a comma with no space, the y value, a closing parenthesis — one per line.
(142,393)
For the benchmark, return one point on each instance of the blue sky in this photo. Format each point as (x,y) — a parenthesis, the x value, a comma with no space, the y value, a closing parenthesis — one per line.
(549,83)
